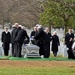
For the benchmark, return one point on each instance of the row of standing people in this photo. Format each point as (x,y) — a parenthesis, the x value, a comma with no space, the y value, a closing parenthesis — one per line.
(16,38)
(41,38)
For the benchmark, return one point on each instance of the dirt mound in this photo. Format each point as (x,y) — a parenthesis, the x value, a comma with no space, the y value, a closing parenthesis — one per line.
(10,63)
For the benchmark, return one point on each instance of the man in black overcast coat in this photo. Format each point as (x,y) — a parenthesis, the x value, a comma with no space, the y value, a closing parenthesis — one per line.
(15,43)
(69,41)
(21,36)
(13,35)
(46,41)
(69,38)
(50,36)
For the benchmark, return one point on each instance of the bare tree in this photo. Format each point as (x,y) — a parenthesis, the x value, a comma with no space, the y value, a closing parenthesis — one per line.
(25,12)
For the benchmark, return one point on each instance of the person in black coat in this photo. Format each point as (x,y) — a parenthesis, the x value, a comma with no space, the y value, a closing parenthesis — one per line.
(33,33)
(13,35)
(69,38)
(50,36)
(47,31)
(21,36)
(45,41)
(13,39)
(69,41)
(5,38)
(55,43)
(72,52)
(37,42)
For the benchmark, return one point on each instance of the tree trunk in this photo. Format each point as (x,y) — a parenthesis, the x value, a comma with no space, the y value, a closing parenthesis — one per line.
(49,28)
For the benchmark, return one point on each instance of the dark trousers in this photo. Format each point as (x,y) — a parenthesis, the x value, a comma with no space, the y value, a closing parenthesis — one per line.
(70,54)
(55,53)
(12,49)
(6,52)
(41,52)
(17,49)
(46,50)
(6,48)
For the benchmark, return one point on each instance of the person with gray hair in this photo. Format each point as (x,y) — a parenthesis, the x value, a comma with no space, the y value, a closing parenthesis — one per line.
(47,32)
(5,38)
(50,36)
(55,43)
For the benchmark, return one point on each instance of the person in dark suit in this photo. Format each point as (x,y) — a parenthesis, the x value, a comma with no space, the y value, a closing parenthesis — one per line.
(69,41)
(21,36)
(33,33)
(5,38)
(13,35)
(73,50)
(50,36)
(45,41)
(55,43)
(69,38)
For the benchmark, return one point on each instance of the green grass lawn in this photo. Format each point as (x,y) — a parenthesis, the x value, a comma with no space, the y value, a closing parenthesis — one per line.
(31,70)
(51,58)
(37,71)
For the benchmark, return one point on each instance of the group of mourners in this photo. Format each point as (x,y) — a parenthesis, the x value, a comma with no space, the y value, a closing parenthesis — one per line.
(16,37)
(40,37)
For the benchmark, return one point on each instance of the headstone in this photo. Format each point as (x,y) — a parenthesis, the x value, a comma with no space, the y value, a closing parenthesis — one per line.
(0,51)
(65,54)
(62,50)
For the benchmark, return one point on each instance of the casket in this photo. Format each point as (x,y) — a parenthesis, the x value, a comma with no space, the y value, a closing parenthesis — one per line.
(30,50)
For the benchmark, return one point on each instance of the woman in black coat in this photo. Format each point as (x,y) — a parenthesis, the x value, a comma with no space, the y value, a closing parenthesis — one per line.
(55,43)
(5,38)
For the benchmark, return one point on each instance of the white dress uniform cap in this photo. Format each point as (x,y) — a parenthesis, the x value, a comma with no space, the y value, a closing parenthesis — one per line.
(37,25)
(20,26)
(13,25)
